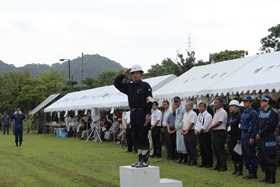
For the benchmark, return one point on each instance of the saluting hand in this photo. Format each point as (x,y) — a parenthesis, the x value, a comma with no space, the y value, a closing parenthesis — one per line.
(126,72)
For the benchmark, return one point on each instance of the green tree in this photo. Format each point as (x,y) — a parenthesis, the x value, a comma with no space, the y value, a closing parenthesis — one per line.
(107,78)
(90,82)
(226,55)
(53,80)
(271,42)
(185,64)
(166,67)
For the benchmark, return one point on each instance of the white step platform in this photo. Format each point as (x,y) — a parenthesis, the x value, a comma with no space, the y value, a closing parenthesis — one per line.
(144,177)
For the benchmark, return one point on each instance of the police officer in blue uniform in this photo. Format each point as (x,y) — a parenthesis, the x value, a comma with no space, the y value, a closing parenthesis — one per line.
(18,118)
(140,102)
(267,123)
(248,123)
(234,136)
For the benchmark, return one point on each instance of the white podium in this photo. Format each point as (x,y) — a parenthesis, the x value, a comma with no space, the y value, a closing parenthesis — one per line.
(144,177)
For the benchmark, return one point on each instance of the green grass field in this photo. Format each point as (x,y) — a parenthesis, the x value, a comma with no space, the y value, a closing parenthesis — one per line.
(46,160)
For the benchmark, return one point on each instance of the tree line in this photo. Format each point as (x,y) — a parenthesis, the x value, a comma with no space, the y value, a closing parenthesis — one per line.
(20,89)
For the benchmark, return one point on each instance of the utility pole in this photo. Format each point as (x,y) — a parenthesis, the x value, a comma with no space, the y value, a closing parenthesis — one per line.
(189,42)
(82,68)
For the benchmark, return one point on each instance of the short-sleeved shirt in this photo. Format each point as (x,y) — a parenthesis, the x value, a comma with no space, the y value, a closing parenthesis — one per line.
(166,114)
(220,115)
(203,121)
(171,120)
(189,117)
(180,111)
(156,115)
(127,117)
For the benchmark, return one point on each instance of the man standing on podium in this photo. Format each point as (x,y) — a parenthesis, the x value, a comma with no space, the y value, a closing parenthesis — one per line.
(140,100)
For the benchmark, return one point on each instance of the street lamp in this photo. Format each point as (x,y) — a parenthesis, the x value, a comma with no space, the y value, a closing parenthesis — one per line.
(68,66)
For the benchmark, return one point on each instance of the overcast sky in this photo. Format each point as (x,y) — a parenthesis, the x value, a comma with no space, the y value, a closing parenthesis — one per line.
(130,31)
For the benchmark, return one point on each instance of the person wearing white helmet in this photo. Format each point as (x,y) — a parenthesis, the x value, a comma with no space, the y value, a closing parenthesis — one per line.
(234,136)
(140,100)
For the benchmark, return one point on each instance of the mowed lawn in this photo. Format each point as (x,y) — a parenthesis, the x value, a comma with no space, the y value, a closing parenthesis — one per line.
(47,160)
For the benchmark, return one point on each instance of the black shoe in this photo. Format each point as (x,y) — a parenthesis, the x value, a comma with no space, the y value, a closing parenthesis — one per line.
(266,177)
(201,165)
(208,166)
(271,179)
(192,164)
(16,144)
(215,168)
(20,143)
(252,175)
(238,173)
(178,160)
(222,169)
(235,169)
(184,161)
(128,151)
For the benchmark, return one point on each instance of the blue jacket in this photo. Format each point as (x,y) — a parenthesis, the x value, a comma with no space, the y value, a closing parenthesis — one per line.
(248,121)
(267,122)
(18,118)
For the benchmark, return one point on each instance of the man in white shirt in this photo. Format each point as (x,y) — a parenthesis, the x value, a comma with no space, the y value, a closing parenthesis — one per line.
(166,112)
(203,121)
(129,139)
(218,127)
(188,131)
(156,116)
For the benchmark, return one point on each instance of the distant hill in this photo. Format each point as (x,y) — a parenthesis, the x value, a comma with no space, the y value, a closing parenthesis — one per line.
(93,65)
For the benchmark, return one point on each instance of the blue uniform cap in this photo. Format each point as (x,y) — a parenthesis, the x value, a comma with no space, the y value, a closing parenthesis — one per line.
(18,109)
(176,99)
(248,98)
(265,98)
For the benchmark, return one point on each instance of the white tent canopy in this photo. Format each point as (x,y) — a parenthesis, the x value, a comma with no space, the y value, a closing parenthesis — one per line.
(258,75)
(254,73)
(194,82)
(102,97)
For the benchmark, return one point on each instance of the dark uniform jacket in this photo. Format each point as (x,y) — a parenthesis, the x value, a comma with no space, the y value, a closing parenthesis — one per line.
(233,125)
(137,93)
(267,122)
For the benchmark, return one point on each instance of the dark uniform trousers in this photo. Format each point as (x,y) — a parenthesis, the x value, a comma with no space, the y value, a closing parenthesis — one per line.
(190,143)
(156,140)
(172,145)
(129,139)
(219,141)
(205,147)
(248,152)
(167,141)
(6,128)
(267,153)
(139,131)
(18,131)
(232,141)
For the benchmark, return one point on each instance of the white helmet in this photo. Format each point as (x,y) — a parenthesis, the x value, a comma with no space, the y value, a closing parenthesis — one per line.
(136,67)
(234,102)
